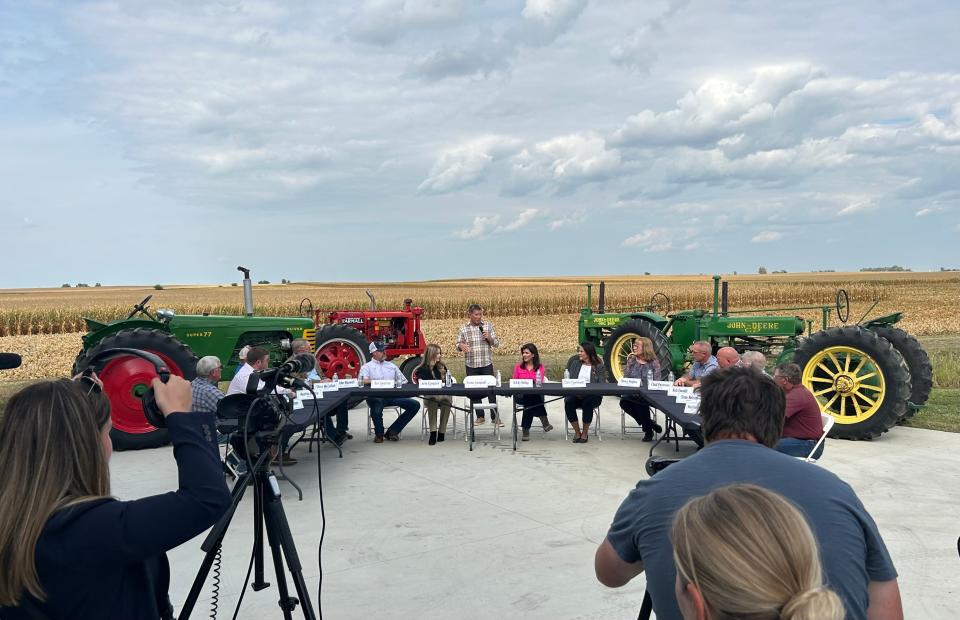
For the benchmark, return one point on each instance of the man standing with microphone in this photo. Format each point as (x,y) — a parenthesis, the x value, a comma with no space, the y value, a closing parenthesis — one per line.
(476,340)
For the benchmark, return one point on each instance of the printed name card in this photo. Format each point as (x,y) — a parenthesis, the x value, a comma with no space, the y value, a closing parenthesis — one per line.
(692,406)
(479,381)
(382,384)
(630,382)
(430,384)
(677,390)
(348,383)
(663,386)
(687,398)
(574,383)
(327,386)
(521,383)
(306,395)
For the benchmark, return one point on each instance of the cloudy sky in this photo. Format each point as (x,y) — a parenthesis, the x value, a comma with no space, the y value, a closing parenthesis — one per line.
(169,141)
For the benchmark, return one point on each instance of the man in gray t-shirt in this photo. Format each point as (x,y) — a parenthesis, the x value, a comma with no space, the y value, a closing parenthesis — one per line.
(742,419)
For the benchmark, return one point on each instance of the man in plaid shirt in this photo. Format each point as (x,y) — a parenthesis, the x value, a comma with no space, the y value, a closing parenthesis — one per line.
(206,394)
(476,340)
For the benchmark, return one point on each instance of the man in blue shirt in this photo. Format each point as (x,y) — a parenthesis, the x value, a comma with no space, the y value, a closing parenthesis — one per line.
(743,415)
(703,364)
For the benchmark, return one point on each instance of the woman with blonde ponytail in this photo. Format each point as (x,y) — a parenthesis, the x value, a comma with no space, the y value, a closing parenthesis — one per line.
(746,552)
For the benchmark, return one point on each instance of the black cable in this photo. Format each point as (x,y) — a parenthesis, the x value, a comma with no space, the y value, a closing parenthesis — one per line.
(215,585)
(246,581)
(323,516)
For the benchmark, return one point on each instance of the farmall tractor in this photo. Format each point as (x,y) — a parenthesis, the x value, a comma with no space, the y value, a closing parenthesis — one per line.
(344,336)
(179,340)
(869,375)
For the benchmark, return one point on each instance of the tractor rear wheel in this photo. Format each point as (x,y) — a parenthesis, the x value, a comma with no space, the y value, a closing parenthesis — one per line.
(921,371)
(857,377)
(409,364)
(126,378)
(620,344)
(342,351)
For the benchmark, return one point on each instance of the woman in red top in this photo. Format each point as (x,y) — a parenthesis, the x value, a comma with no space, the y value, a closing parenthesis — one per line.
(530,367)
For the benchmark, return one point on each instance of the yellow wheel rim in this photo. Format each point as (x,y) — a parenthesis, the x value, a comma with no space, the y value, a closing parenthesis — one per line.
(619,350)
(847,383)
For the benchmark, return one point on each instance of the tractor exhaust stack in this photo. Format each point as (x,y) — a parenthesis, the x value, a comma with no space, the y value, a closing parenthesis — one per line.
(602,303)
(247,291)
(373,300)
(723,297)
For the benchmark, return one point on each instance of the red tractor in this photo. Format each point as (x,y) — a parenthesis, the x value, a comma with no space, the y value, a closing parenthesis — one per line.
(344,337)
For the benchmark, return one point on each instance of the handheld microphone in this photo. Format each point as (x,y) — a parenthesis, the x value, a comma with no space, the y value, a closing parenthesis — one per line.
(481,328)
(10,360)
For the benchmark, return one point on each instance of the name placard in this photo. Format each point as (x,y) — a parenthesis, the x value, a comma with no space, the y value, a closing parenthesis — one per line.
(663,386)
(574,383)
(382,384)
(692,406)
(348,383)
(521,383)
(678,390)
(687,398)
(327,386)
(630,382)
(430,384)
(306,395)
(479,381)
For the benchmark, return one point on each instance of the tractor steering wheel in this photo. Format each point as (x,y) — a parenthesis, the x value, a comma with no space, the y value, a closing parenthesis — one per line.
(843,306)
(660,304)
(141,307)
(306,304)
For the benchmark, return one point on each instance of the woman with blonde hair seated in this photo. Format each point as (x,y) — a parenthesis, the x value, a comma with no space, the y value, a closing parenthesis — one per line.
(745,552)
(433,368)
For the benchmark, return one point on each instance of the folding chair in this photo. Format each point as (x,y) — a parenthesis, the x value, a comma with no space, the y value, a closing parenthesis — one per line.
(395,408)
(424,421)
(639,430)
(827,421)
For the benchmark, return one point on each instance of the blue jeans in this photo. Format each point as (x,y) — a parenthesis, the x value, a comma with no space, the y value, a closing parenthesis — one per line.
(341,414)
(799,447)
(409,407)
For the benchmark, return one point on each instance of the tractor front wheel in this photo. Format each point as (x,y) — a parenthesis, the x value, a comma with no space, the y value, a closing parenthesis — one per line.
(857,377)
(620,345)
(921,371)
(126,378)
(409,365)
(342,351)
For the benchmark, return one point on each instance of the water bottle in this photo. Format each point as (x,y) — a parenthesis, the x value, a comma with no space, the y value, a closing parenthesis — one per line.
(498,378)
(335,377)
(448,379)
(648,375)
(671,377)
(566,373)
(539,381)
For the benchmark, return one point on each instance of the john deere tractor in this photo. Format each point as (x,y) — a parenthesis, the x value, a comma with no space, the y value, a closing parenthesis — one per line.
(869,375)
(180,340)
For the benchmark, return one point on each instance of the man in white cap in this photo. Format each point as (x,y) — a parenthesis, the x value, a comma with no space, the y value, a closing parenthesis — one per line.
(379,368)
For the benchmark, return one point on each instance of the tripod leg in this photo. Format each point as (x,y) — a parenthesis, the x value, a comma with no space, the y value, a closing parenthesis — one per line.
(212,543)
(258,582)
(283,547)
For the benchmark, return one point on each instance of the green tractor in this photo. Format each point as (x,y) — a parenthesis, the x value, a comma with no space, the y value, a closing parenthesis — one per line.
(180,340)
(869,376)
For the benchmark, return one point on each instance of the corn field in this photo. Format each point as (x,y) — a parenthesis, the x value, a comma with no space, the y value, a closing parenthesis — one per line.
(926,299)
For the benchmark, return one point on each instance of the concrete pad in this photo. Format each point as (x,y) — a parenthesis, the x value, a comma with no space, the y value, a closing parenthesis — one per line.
(417,531)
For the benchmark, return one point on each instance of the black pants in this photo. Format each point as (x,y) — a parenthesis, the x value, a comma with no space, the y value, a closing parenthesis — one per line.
(482,370)
(587,403)
(639,410)
(532,408)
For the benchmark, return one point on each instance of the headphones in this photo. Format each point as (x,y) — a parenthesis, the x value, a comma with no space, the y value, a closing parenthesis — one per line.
(150,408)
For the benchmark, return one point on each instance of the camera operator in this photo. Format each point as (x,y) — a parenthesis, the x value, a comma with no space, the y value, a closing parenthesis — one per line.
(69,549)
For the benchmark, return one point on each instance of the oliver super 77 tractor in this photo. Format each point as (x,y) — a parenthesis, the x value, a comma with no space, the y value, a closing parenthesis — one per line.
(180,340)
(868,376)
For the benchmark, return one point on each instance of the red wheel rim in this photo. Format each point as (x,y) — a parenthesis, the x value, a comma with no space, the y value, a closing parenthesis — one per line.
(125,379)
(340,358)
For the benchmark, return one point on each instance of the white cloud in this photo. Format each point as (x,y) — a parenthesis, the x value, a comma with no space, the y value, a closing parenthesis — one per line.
(548,19)
(563,163)
(382,22)
(767,236)
(638,50)
(465,164)
(662,240)
(487,225)
(857,206)
(569,220)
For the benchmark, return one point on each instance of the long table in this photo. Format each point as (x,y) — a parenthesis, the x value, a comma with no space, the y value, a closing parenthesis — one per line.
(686,422)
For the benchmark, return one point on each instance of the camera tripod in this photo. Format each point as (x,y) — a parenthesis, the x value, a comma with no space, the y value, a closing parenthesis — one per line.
(268,511)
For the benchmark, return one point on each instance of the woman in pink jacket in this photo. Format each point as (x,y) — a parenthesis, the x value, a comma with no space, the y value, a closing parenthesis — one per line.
(530,367)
